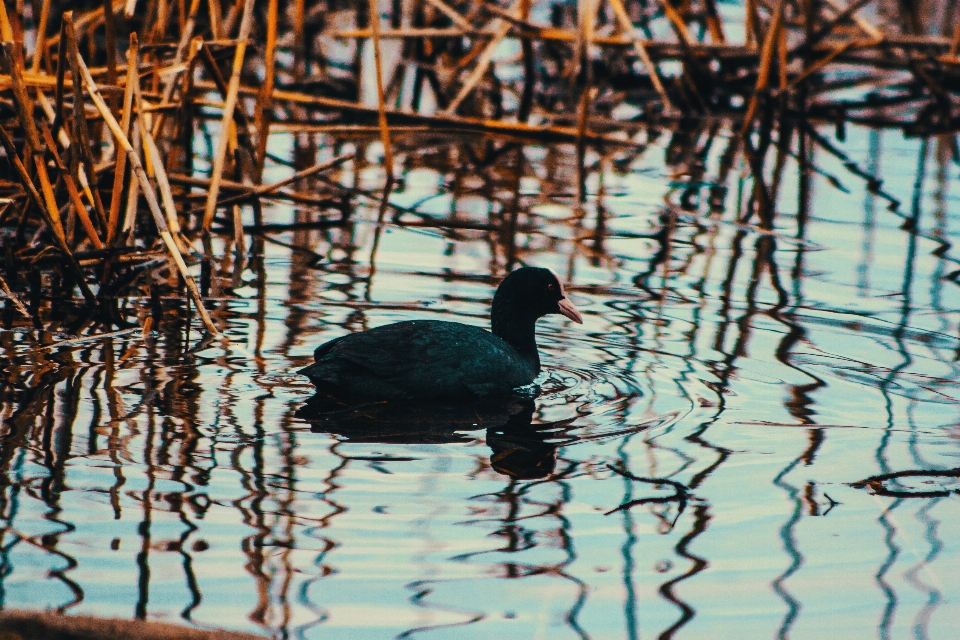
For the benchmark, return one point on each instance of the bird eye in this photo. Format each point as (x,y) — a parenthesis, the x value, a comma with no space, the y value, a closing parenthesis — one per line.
(551,286)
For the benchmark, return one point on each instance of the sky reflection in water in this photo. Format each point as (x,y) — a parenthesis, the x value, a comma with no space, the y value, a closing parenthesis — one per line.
(176,480)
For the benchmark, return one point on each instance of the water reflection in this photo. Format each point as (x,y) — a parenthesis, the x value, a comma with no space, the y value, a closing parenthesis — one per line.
(519,448)
(416,422)
(760,365)
(522,450)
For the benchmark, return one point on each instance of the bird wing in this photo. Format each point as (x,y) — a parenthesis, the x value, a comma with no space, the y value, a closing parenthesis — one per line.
(419,359)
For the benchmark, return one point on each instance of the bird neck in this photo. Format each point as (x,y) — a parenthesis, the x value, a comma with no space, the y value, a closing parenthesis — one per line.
(517,328)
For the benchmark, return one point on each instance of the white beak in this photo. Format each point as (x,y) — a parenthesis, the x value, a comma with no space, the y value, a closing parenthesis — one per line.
(567,309)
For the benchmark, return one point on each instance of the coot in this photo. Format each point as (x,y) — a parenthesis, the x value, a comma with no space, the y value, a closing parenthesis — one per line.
(430,359)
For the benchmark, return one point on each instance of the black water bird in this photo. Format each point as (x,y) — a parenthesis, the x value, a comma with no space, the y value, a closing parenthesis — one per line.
(431,359)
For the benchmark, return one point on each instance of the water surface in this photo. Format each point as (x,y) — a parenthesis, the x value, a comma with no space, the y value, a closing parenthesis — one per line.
(172,477)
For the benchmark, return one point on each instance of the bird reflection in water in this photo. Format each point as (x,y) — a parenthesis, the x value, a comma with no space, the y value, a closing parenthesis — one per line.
(519,448)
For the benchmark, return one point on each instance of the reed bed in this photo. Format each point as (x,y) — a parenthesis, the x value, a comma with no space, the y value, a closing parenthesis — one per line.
(103,109)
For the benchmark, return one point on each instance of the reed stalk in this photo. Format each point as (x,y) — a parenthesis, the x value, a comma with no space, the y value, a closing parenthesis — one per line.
(233,89)
(148,193)
(381,98)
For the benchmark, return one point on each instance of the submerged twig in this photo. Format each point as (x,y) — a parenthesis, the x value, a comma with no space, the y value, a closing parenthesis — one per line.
(681,493)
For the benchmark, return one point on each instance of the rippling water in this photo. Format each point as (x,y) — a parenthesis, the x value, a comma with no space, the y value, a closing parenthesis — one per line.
(755,374)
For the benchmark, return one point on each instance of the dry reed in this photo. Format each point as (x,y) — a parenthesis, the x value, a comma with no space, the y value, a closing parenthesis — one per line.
(100,149)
